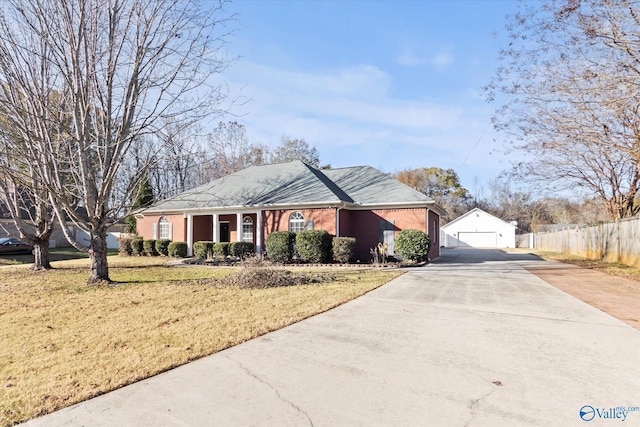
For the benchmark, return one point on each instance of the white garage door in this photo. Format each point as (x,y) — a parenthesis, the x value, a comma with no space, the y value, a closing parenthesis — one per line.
(478,239)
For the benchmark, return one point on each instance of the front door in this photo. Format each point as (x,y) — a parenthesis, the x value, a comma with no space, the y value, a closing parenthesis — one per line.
(224,232)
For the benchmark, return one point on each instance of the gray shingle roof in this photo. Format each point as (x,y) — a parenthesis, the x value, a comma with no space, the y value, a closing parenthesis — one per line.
(368,186)
(295,184)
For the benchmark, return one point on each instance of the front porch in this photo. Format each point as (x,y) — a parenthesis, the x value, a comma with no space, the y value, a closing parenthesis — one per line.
(244,226)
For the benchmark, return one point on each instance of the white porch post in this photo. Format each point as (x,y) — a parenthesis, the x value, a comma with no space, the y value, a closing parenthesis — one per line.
(258,232)
(216,228)
(239,227)
(189,235)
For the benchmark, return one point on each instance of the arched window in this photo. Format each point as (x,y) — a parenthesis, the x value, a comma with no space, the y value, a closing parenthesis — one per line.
(247,229)
(164,228)
(296,222)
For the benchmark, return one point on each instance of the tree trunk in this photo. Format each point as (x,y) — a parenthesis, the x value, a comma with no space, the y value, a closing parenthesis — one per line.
(41,255)
(98,255)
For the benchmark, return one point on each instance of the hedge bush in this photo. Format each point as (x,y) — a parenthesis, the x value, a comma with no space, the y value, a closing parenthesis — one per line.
(241,249)
(314,245)
(137,246)
(177,249)
(221,249)
(124,246)
(412,244)
(343,249)
(203,249)
(280,246)
(131,224)
(162,246)
(149,247)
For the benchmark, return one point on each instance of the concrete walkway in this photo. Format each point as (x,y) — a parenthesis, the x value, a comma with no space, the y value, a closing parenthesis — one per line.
(470,340)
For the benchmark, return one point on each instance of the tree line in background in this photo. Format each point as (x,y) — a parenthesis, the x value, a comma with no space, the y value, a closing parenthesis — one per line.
(193,160)
(526,208)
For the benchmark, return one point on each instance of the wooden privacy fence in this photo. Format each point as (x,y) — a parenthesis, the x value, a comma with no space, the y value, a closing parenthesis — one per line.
(614,241)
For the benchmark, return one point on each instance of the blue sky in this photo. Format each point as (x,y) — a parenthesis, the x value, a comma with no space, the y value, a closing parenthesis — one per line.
(391,84)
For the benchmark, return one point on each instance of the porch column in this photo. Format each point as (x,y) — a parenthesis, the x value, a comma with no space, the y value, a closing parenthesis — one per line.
(258,231)
(189,235)
(239,227)
(216,228)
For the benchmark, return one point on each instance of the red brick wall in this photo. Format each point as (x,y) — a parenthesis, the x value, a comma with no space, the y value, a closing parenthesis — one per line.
(278,220)
(202,228)
(179,224)
(345,223)
(364,226)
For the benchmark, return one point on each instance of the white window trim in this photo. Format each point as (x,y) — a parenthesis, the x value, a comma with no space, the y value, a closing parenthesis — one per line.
(298,223)
(158,230)
(247,220)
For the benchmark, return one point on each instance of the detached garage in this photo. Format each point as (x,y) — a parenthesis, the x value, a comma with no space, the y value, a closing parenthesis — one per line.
(478,229)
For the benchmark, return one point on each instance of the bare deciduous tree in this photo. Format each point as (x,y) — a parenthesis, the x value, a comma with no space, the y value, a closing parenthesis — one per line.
(123,70)
(26,200)
(568,84)
(231,150)
(297,149)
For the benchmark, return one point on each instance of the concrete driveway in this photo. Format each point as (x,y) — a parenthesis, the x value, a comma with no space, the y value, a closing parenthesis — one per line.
(472,339)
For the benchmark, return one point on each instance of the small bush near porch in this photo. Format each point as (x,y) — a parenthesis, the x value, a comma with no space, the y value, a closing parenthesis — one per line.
(412,245)
(63,341)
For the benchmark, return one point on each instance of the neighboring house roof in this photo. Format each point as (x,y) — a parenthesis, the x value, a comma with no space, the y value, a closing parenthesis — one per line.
(470,213)
(297,184)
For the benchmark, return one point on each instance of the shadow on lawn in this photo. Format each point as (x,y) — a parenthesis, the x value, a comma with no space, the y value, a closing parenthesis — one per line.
(55,254)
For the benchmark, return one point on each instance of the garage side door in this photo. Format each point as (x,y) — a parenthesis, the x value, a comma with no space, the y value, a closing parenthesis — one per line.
(478,239)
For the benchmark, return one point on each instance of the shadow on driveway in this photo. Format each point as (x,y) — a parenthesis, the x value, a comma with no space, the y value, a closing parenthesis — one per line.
(478,255)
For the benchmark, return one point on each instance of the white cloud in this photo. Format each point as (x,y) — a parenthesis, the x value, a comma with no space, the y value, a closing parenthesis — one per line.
(440,60)
(359,94)
(362,80)
(351,116)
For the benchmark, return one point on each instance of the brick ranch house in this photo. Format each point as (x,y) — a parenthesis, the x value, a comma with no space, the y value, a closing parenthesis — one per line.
(248,205)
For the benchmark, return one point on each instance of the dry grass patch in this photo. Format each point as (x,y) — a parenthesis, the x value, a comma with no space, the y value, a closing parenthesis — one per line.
(62,341)
(613,268)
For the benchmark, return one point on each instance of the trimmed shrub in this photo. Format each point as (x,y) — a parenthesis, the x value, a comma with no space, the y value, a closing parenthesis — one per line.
(137,246)
(203,249)
(412,244)
(221,249)
(280,246)
(149,247)
(131,224)
(314,245)
(241,249)
(343,248)
(177,249)
(162,246)
(124,246)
